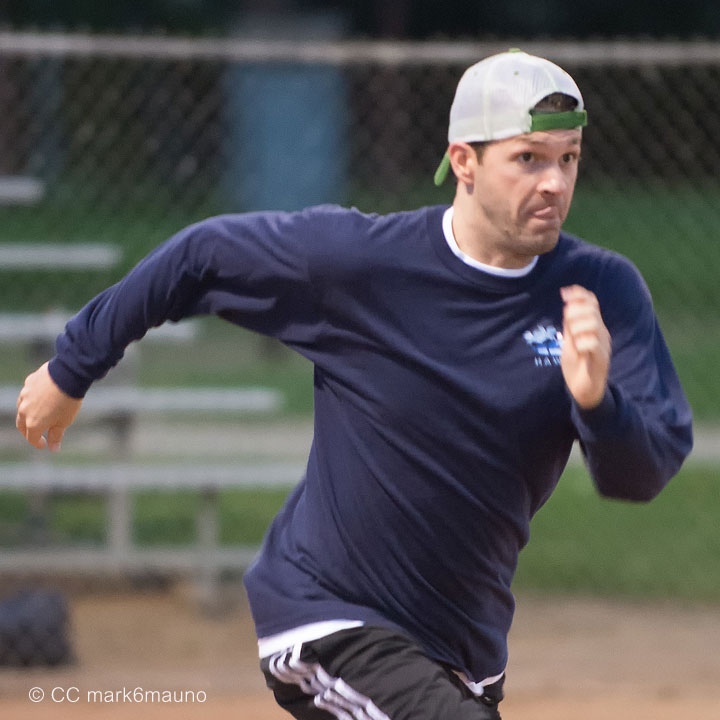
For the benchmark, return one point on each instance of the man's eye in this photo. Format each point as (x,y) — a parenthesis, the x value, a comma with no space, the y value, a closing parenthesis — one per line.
(525,157)
(570,157)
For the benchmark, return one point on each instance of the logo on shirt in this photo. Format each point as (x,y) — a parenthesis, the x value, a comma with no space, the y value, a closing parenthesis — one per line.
(546,341)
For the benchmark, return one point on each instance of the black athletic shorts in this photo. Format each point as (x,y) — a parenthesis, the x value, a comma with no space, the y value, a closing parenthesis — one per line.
(372,673)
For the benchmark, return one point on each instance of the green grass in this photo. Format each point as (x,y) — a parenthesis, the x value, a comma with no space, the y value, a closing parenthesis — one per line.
(667,548)
(165,518)
(580,544)
(168,518)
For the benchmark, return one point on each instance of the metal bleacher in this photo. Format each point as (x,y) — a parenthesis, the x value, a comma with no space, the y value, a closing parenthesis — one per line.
(115,407)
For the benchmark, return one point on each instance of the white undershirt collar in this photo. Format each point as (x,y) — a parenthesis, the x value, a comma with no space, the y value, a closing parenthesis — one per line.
(490,269)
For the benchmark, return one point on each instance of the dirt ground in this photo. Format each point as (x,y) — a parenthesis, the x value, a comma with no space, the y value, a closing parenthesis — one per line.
(579,659)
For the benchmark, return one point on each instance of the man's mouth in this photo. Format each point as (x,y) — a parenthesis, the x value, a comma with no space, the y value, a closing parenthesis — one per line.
(549,213)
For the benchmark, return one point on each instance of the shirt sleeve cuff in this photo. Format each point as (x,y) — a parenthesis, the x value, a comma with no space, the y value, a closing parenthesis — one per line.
(67,380)
(600,420)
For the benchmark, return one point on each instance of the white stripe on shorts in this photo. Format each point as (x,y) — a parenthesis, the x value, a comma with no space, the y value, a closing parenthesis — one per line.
(331,694)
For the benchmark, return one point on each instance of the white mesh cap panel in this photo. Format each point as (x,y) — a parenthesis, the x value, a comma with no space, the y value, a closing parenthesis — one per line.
(494,97)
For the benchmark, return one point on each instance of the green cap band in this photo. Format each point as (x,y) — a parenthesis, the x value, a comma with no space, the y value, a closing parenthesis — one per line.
(557,120)
(540,121)
(442,171)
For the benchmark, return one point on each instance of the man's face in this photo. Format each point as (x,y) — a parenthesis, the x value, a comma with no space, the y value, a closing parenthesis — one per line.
(523,187)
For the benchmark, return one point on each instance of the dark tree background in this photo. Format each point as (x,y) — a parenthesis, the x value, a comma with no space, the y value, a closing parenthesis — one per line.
(412,19)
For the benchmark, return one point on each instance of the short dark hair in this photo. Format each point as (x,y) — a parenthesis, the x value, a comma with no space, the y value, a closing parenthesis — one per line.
(555,102)
(479,147)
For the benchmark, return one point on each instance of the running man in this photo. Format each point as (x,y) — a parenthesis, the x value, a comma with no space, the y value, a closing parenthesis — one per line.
(458,352)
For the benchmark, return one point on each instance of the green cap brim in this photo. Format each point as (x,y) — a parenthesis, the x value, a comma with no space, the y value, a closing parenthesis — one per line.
(442,171)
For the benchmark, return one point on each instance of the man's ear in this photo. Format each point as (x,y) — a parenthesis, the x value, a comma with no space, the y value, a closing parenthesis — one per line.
(463,161)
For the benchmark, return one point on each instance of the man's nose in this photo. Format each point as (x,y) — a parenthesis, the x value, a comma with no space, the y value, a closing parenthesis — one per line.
(553,181)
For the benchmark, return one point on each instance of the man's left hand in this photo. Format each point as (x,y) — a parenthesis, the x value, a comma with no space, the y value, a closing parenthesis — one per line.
(586,347)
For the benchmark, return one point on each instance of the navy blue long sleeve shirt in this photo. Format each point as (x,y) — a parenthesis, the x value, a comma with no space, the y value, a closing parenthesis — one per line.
(442,420)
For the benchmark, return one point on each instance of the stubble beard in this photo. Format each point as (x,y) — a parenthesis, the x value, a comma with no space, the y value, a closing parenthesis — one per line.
(527,244)
(540,243)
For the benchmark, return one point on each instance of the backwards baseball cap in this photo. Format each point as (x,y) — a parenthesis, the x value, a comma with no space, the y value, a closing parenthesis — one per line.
(495,98)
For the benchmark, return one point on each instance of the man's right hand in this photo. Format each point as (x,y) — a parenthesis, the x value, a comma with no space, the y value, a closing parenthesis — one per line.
(44,408)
